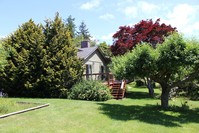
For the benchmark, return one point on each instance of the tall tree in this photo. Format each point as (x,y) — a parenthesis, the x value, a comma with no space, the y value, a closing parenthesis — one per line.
(83,31)
(24,47)
(42,61)
(3,55)
(61,66)
(145,31)
(171,64)
(70,23)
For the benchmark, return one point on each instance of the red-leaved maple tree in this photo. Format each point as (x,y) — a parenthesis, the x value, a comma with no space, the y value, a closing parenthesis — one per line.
(145,31)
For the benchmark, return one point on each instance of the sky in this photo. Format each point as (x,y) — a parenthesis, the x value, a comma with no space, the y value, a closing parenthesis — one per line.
(102,17)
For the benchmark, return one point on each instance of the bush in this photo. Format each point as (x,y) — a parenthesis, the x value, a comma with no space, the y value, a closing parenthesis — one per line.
(63,93)
(139,83)
(90,90)
(190,90)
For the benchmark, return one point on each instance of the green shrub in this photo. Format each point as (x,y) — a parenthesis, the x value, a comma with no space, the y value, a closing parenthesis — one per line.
(63,93)
(139,83)
(190,90)
(90,90)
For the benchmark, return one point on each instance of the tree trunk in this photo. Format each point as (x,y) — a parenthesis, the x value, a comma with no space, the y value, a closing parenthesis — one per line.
(165,96)
(149,85)
(151,91)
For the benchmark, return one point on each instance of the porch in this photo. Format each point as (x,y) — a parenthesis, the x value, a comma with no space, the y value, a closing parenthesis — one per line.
(117,88)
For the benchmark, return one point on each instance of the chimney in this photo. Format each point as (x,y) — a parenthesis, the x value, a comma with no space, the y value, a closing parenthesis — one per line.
(85,44)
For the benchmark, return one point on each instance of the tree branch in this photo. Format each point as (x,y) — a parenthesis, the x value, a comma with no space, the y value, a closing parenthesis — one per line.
(188,78)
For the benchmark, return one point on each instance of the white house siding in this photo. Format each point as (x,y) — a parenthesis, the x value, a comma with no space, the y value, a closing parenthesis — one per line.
(96,61)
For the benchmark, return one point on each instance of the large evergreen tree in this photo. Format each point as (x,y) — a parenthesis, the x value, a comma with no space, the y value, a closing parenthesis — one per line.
(61,66)
(83,31)
(3,55)
(75,36)
(70,23)
(42,61)
(22,71)
(3,61)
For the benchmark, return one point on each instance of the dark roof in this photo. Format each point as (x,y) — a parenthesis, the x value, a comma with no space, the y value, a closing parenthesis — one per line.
(85,52)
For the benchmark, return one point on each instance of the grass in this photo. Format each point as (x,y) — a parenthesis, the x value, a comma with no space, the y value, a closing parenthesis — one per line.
(8,105)
(135,113)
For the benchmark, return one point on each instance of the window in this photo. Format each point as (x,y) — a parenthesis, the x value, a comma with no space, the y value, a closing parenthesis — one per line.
(102,71)
(88,71)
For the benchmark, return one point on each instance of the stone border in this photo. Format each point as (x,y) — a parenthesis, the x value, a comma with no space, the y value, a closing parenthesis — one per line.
(23,111)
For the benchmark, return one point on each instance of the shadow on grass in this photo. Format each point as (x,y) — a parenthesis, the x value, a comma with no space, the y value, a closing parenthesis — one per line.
(150,114)
(139,95)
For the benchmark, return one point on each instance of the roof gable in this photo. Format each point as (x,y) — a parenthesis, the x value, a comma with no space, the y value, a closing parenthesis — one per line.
(85,53)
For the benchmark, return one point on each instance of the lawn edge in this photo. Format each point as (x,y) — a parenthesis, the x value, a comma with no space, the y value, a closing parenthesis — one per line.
(25,110)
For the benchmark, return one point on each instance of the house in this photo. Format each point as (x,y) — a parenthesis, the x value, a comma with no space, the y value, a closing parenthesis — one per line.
(95,62)
(96,68)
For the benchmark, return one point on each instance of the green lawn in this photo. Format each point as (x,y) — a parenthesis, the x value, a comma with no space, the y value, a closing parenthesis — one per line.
(8,105)
(137,113)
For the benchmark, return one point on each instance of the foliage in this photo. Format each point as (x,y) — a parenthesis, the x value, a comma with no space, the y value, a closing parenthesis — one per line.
(70,24)
(117,66)
(193,92)
(190,90)
(77,40)
(78,36)
(3,56)
(105,49)
(25,52)
(90,90)
(145,31)
(43,62)
(139,83)
(61,66)
(170,64)
(83,31)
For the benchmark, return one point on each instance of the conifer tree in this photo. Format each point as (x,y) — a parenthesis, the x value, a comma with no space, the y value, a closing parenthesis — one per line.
(3,61)
(83,31)
(24,47)
(42,61)
(3,56)
(70,23)
(62,68)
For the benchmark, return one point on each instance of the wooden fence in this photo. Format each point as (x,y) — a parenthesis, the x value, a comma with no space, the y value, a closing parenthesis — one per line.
(117,88)
(105,77)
